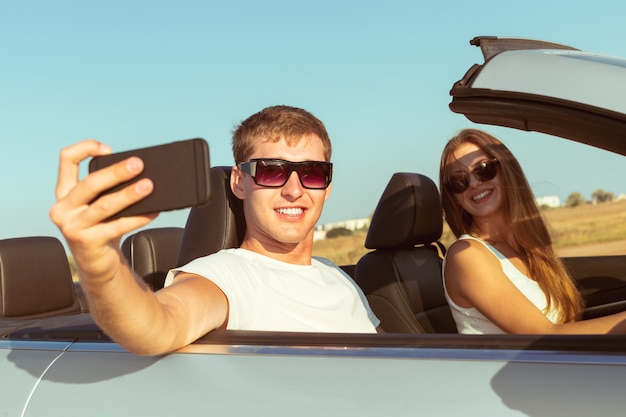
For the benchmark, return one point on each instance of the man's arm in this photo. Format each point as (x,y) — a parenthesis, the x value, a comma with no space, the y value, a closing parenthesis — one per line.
(154,323)
(141,321)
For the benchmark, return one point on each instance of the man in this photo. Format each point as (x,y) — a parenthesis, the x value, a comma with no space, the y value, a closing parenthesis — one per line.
(283,175)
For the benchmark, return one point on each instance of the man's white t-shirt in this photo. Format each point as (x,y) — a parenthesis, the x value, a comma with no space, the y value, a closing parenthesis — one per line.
(267,294)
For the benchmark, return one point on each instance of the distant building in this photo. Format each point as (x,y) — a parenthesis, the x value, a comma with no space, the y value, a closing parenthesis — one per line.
(549,201)
(353,224)
(319,234)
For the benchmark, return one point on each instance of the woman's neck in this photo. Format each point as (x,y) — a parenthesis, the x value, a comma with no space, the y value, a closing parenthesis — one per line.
(493,231)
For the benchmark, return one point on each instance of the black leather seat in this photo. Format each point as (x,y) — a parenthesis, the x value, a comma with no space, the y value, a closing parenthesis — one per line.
(218,225)
(153,252)
(401,277)
(35,279)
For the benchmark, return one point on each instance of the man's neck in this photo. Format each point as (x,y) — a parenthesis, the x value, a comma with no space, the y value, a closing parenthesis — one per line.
(296,253)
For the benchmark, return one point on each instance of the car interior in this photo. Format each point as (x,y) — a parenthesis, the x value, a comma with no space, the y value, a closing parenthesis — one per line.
(401,275)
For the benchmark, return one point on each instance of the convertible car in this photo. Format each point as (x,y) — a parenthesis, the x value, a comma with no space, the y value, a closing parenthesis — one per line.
(54,360)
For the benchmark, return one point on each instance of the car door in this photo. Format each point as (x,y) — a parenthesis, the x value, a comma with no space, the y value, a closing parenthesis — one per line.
(22,363)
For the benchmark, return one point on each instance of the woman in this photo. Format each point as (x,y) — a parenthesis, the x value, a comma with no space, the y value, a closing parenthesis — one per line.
(502,275)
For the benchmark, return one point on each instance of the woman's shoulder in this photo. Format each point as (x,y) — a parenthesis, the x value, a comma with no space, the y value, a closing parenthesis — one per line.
(472,253)
(468,244)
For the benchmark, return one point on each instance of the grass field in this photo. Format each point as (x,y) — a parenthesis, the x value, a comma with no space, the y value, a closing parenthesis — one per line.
(588,230)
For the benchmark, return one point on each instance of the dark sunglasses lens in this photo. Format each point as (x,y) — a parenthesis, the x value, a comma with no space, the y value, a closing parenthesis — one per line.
(458,183)
(315,175)
(271,173)
(486,170)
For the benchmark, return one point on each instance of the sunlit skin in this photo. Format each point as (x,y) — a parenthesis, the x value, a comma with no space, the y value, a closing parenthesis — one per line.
(281,221)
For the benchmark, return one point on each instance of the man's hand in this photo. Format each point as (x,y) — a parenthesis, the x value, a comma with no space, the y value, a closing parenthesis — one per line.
(125,308)
(93,241)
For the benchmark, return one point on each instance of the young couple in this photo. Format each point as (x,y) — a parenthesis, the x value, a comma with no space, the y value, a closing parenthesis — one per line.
(283,175)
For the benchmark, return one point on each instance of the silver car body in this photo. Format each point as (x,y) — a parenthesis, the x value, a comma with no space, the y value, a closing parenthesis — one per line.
(65,366)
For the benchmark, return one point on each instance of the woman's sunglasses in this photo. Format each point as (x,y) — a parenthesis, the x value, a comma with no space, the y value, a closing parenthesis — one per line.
(486,170)
(314,175)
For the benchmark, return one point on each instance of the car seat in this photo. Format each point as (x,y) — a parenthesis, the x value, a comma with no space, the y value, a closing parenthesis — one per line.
(217,225)
(151,253)
(35,279)
(401,277)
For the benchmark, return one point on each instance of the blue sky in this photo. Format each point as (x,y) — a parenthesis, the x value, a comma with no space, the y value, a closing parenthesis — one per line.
(141,73)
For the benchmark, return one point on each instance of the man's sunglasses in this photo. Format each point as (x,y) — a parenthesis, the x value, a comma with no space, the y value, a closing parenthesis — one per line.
(314,175)
(486,170)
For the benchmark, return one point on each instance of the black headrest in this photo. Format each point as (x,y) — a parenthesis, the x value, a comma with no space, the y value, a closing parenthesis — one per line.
(35,278)
(408,213)
(218,225)
(153,252)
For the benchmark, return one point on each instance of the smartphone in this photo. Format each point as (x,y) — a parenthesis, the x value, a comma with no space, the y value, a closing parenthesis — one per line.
(179,171)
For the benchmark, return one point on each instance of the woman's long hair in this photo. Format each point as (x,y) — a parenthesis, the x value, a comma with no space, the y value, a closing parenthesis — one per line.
(522,214)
